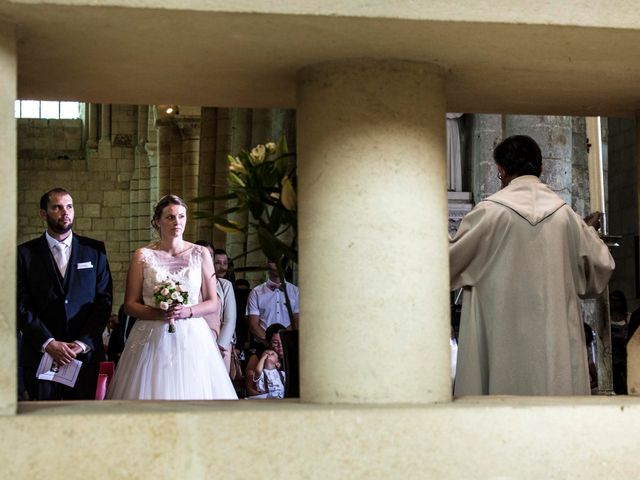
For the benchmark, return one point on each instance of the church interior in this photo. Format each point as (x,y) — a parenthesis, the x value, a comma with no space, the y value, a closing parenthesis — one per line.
(167,90)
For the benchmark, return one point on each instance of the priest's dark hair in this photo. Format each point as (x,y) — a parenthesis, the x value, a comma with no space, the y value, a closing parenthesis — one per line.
(519,155)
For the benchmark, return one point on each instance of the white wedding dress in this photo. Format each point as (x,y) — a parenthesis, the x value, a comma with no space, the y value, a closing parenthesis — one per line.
(158,365)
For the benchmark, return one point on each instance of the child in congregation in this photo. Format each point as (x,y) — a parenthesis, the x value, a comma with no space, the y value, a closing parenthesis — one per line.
(269,379)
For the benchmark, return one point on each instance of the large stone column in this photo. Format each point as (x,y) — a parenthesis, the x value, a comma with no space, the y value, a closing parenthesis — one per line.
(637,152)
(92,125)
(234,134)
(165,135)
(206,168)
(486,133)
(8,184)
(373,233)
(104,145)
(190,135)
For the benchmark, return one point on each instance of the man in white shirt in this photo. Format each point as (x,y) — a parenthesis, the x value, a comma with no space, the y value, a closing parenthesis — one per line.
(267,305)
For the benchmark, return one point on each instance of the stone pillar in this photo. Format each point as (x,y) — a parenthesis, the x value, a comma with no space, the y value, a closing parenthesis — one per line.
(633,347)
(152,158)
(175,183)
(105,129)
(92,122)
(580,197)
(8,234)
(140,179)
(143,120)
(190,134)
(373,233)
(165,134)
(234,134)
(206,168)
(637,152)
(260,126)
(486,133)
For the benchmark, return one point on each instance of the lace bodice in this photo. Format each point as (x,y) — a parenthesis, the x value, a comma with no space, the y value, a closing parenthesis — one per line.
(159,266)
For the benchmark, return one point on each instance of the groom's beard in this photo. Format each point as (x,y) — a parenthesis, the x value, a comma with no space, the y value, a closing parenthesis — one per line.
(58,226)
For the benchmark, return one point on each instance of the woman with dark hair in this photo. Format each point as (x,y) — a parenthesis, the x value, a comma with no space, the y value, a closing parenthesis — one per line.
(183,362)
(524,257)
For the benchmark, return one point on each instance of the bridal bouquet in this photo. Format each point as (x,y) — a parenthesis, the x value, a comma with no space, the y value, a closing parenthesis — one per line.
(167,294)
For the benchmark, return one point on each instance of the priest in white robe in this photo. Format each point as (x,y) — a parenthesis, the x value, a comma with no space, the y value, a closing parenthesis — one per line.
(524,257)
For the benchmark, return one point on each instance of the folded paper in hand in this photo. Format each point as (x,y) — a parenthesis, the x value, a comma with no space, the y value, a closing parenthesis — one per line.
(67,374)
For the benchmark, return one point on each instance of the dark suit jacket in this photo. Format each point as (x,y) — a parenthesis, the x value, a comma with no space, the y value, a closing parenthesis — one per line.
(76,308)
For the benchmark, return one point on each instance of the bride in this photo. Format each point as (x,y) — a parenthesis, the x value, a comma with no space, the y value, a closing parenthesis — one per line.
(157,364)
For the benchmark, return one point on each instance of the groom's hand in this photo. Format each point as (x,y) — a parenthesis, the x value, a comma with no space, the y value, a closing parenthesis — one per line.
(60,352)
(77,349)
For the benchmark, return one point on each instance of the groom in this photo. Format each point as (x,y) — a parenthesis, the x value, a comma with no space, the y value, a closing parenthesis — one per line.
(64,301)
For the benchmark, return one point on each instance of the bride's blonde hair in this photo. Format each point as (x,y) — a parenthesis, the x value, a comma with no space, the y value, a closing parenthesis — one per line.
(162,203)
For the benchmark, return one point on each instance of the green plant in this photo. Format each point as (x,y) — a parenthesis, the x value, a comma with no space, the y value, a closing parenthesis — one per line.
(262,182)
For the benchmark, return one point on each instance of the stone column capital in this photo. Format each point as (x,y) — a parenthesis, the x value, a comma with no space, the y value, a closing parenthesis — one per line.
(189,127)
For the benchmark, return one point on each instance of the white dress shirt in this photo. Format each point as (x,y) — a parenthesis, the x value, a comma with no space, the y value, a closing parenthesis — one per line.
(268,302)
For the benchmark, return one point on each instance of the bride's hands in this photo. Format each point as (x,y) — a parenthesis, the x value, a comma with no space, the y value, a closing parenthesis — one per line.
(177,312)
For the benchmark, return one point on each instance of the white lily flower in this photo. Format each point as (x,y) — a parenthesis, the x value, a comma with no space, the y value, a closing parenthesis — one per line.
(257,154)
(235,165)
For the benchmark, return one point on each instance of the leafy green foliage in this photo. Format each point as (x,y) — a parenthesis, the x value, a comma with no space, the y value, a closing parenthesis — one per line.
(262,182)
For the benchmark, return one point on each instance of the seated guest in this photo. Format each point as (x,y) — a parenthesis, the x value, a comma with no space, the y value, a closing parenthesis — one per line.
(264,377)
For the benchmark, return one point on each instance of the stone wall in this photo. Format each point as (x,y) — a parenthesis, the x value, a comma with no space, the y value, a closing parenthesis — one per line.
(580,195)
(51,154)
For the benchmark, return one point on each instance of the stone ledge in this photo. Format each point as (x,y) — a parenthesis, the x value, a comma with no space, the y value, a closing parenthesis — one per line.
(498,437)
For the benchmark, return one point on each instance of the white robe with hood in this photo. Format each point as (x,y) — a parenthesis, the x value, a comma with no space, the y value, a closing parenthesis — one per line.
(524,258)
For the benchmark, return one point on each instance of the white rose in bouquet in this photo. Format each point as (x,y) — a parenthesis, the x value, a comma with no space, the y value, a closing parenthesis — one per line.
(168,293)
